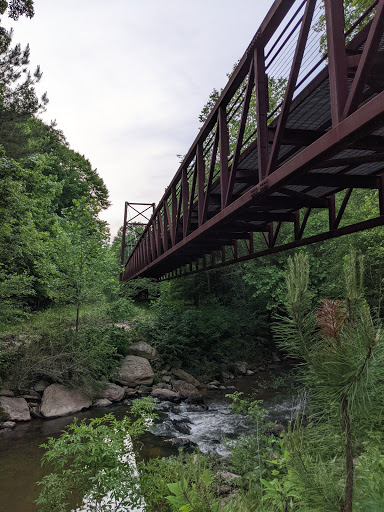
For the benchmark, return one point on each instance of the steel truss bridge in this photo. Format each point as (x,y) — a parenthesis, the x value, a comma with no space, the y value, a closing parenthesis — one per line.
(295,129)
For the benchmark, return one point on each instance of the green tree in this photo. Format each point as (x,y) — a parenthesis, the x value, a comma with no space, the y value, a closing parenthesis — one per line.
(342,353)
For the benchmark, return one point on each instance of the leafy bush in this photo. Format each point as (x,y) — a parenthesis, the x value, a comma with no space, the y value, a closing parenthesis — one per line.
(79,360)
(121,309)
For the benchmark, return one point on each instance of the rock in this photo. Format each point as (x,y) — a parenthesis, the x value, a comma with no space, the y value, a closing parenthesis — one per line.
(166,368)
(167,378)
(182,426)
(131,392)
(182,442)
(214,383)
(165,394)
(123,325)
(15,409)
(35,411)
(143,349)
(134,371)
(187,377)
(227,476)
(225,375)
(6,392)
(31,397)
(186,389)
(203,378)
(250,372)
(60,401)
(113,392)
(212,386)
(239,367)
(41,386)
(231,388)
(102,402)
(222,387)
(277,430)
(8,424)
(144,390)
(162,385)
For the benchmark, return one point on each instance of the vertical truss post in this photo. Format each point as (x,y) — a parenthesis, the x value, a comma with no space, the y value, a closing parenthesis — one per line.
(296,225)
(381,195)
(223,254)
(370,50)
(123,240)
(337,58)
(185,194)
(251,243)
(332,212)
(200,182)
(224,153)
(235,250)
(240,136)
(261,85)
(290,90)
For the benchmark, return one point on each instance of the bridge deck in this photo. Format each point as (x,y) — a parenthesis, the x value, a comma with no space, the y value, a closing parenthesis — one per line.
(252,170)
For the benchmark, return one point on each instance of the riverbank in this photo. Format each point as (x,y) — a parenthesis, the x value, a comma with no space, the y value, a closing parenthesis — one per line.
(209,423)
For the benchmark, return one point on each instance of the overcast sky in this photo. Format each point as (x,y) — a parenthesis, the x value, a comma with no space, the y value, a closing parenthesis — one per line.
(127,80)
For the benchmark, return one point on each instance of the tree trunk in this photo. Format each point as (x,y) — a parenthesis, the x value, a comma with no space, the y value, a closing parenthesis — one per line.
(77,317)
(348,456)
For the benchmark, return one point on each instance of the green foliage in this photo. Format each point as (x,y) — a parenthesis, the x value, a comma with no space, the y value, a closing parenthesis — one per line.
(120,310)
(60,355)
(94,458)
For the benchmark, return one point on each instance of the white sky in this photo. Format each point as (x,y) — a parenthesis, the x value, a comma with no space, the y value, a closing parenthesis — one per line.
(127,79)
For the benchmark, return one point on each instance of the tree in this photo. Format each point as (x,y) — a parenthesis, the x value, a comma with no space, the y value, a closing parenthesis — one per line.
(342,354)
(81,255)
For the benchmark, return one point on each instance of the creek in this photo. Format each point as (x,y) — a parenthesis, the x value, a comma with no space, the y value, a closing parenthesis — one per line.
(207,425)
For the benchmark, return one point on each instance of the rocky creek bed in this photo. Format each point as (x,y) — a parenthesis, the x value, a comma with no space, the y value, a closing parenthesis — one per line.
(191,412)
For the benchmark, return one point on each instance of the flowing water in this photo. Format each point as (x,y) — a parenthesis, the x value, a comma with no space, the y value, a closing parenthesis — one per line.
(205,425)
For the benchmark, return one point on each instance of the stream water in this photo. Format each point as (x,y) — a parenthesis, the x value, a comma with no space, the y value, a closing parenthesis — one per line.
(207,425)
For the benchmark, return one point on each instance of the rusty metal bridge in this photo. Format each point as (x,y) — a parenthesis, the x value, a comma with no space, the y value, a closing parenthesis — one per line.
(298,127)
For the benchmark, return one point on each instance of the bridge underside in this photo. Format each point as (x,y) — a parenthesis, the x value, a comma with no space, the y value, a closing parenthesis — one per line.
(249,175)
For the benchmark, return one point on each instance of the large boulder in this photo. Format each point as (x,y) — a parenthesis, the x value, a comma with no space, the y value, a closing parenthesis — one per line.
(135,370)
(187,377)
(113,392)
(15,409)
(60,401)
(143,349)
(186,389)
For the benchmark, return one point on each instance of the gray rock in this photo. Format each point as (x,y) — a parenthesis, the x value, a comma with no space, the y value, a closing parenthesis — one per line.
(182,426)
(162,385)
(187,377)
(131,392)
(186,389)
(8,424)
(239,367)
(30,398)
(6,392)
(250,372)
(123,325)
(143,349)
(60,401)
(212,386)
(214,383)
(15,409)
(144,390)
(134,371)
(102,402)
(276,358)
(165,394)
(166,367)
(41,386)
(167,378)
(113,392)
(182,442)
